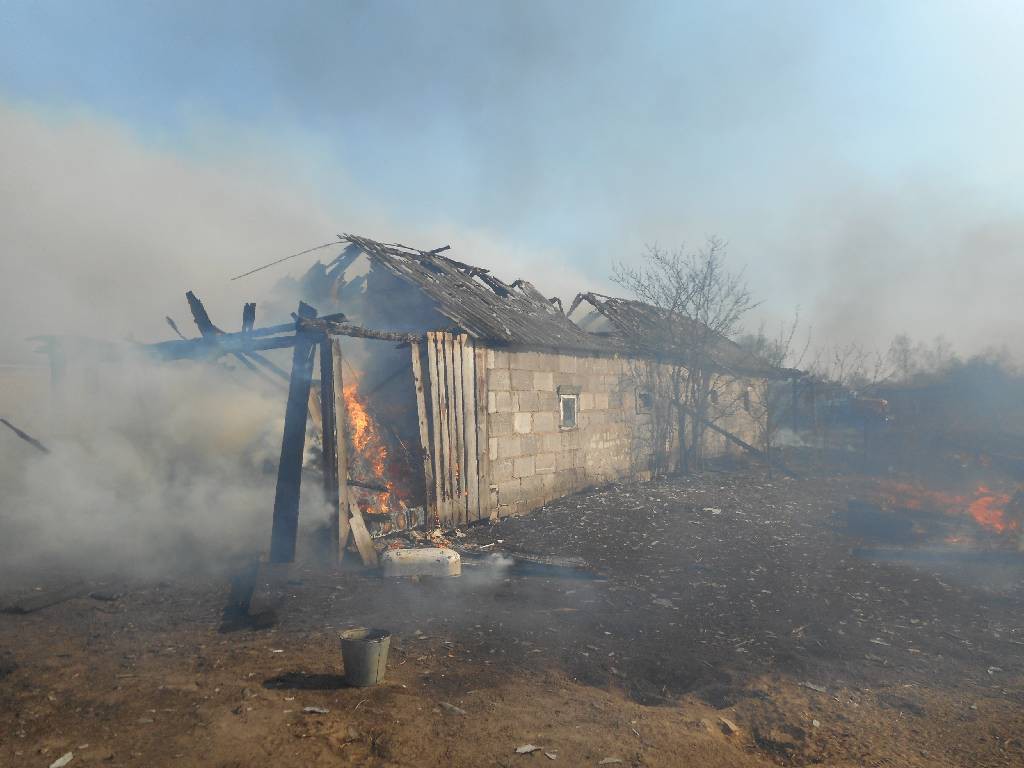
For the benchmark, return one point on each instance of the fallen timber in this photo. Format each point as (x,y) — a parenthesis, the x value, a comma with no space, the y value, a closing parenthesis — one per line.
(306,335)
(272,337)
(207,330)
(25,436)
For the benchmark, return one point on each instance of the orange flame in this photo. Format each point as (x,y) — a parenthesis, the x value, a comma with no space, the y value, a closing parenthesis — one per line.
(989,510)
(358,419)
(366,441)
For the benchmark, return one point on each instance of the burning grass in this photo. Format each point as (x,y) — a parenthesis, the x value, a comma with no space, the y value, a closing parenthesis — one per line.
(993,511)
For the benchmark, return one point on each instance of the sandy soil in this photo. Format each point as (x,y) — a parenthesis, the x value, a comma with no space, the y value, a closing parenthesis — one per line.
(725,599)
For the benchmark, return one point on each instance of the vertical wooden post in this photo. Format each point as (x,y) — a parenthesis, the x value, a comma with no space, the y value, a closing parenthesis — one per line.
(335,447)
(330,439)
(433,364)
(421,412)
(483,478)
(458,431)
(469,427)
(447,414)
(293,443)
(341,443)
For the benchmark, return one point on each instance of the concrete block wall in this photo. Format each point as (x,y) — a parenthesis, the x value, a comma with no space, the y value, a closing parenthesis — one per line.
(532,460)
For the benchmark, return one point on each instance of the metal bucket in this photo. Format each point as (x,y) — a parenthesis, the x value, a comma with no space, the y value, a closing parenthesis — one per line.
(365,653)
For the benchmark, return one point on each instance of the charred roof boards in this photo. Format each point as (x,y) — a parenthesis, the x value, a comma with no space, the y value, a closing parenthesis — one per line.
(480,304)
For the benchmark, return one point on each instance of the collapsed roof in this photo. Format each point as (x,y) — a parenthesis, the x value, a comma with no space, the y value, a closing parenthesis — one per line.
(479,303)
(642,329)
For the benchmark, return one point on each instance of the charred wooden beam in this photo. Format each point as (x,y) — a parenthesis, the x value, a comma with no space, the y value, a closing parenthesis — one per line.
(248,316)
(25,436)
(293,443)
(330,438)
(369,486)
(336,328)
(214,346)
(200,315)
(208,330)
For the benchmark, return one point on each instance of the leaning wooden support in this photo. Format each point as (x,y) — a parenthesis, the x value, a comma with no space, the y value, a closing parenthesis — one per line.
(753,450)
(362,538)
(421,413)
(723,432)
(293,443)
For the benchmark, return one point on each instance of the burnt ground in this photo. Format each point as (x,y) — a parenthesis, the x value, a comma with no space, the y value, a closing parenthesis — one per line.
(726,595)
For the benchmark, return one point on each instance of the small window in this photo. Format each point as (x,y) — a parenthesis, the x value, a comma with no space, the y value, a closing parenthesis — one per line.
(568,410)
(713,396)
(568,406)
(747,404)
(644,400)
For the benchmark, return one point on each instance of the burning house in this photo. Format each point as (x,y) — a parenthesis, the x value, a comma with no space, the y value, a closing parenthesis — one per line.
(458,397)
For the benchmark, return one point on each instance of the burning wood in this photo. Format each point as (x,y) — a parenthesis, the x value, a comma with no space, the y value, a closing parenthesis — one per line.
(373,456)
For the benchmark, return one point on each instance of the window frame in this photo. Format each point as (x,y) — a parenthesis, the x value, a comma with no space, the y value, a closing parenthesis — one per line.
(566,394)
(642,407)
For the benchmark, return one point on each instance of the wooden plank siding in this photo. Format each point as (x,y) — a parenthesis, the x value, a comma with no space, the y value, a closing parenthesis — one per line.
(452,410)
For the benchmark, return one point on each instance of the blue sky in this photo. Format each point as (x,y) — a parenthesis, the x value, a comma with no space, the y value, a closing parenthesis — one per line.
(585,129)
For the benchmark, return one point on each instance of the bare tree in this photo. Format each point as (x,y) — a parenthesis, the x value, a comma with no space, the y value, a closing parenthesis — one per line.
(699,305)
(908,359)
(779,353)
(851,366)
